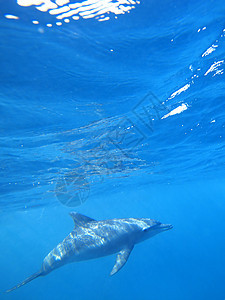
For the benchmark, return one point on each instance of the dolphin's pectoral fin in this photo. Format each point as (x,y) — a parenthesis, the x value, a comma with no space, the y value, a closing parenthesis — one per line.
(80,219)
(121,259)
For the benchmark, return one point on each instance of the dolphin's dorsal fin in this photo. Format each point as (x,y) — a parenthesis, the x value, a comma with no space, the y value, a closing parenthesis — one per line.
(121,259)
(79,219)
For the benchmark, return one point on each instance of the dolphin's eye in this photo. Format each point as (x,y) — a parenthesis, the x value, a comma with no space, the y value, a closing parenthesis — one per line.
(145,230)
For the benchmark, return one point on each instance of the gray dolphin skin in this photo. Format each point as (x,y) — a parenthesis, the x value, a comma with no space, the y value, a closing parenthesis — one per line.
(93,239)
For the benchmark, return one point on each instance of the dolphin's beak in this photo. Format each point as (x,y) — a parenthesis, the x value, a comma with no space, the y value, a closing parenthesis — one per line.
(164,227)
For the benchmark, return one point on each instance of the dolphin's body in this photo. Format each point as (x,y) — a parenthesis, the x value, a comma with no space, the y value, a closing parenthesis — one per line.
(92,239)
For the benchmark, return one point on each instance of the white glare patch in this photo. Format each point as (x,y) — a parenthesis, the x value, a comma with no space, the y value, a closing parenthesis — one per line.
(42,5)
(104,19)
(176,111)
(214,67)
(87,9)
(59,10)
(209,50)
(35,22)
(49,25)
(46,6)
(29,2)
(204,28)
(178,92)
(12,17)
(62,2)
(66,20)
(213,121)
(58,23)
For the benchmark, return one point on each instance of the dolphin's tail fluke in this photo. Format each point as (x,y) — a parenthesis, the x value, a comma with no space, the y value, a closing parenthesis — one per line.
(32,277)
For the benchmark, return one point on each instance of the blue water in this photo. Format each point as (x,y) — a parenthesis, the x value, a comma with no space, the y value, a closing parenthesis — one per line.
(113,115)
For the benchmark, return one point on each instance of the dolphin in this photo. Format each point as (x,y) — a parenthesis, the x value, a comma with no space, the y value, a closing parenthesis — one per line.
(93,239)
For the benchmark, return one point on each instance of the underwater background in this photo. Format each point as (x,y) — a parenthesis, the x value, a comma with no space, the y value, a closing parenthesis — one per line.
(113,109)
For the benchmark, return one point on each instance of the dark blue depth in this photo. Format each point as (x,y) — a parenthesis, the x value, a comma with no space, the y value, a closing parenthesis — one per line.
(114,119)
